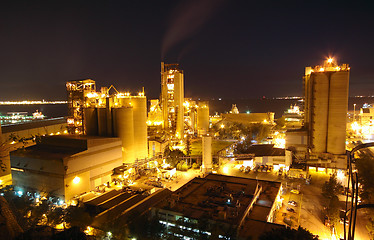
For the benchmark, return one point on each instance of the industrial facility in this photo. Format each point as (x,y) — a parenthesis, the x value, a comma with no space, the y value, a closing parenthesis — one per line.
(66,166)
(321,140)
(241,207)
(108,114)
(172,98)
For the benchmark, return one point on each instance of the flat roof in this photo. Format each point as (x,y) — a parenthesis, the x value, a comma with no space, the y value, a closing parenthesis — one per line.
(221,198)
(61,146)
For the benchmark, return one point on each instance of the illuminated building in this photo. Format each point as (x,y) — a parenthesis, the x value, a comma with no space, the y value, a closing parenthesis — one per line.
(114,114)
(77,94)
(366,121)
(172,98)
(5,173)
(66,166)
(326,104)
(155,114)
(248,118)
(246,206)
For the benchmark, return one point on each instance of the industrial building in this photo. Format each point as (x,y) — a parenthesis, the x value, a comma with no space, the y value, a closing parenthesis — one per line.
(5,173)
(325,111)
(248,118)
(227,206)
(172,98)
(110,115)
(67,165)
(266,154)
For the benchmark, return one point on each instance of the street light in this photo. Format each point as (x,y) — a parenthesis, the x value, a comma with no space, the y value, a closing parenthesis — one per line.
(354,112)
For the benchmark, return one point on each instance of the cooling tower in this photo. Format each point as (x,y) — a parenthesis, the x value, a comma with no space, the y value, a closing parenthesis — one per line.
(124,129)
(90,121)
(207,153)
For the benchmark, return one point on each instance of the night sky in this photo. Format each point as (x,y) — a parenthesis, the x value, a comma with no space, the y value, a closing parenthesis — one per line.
(228,49)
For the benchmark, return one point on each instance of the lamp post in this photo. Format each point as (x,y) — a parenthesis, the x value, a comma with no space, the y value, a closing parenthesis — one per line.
(354,112)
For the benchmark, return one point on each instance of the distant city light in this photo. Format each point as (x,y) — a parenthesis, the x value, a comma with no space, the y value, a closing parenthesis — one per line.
(27,102)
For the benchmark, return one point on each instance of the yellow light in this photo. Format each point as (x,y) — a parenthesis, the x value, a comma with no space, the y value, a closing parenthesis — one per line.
(76,180)
(1,181)
(329,60)
(225,169)
(321,69)
(222,126)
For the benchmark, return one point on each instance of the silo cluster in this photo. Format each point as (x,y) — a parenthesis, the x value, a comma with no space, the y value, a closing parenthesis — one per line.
(326,105)
(124,117)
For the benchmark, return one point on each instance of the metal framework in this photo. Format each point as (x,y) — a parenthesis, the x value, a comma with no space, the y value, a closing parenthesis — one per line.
(77,92)
(352,211)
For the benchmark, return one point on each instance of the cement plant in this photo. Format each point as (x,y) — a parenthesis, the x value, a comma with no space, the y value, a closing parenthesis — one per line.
(119,160)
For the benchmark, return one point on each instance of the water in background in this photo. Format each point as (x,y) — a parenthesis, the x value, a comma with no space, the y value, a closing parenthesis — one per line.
(221,106)
(48,110)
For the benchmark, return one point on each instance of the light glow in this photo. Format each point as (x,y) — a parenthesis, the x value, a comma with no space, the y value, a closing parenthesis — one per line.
(76,180)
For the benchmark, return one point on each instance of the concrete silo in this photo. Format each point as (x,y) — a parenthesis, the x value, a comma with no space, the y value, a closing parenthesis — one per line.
(337,121)
(207,154)
(124,129)
(139,104)
(202,118)
(90,121)
(326,105)
(102,122)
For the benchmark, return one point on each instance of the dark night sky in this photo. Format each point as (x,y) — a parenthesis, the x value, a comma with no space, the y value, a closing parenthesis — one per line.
(227,48)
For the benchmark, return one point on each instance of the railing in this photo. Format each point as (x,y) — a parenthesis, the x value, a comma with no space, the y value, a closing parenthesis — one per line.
(353,177)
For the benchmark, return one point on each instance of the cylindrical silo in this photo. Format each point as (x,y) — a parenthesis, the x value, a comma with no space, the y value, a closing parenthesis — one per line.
(90,121)
(139,105)
(124,129)
(101,122)
(202,119)
(207,153)
(193,119)
(338,107)
(320,104)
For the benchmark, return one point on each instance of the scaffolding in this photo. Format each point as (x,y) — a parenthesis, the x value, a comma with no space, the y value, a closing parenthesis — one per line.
(78,91)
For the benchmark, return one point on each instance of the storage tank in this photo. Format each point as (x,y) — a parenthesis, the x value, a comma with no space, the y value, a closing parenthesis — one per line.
(102,122)
(139,105)
(207,153)
(124,129)
(202,118)
(338,107)
(320,103)
(90,121)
